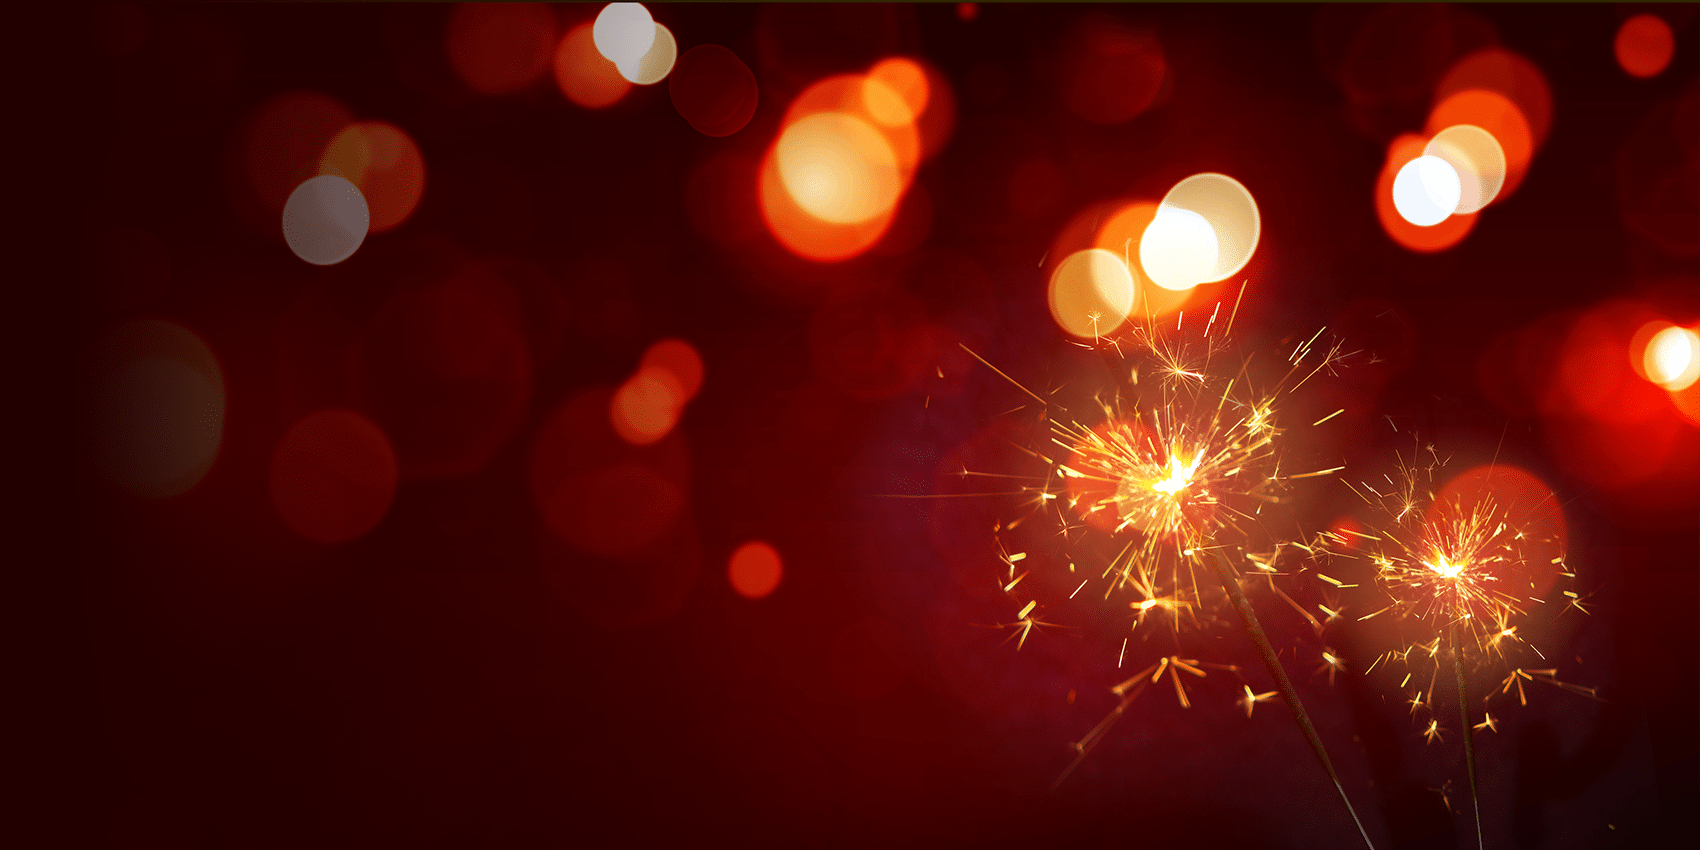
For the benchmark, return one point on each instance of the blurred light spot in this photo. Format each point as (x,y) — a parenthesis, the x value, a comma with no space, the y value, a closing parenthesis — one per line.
(158,407)
(967,11)
(829,186)
(1644,45)
(120,29)
(895,91)
(1687,402)
(1502,93)
(1091,293)
(647,406)
(1178,249)
(1183,251)
(585,76)
(679,359)
(843,94)
(333,476)
(1438,237)
(1673,358)
(1121,233)
(713,90)
(1426,191)
(624,32)
(806,235)
(498,48)
(1477,159)
(128,269)
(1499,118)
(381,161)
(1109,72)
(838,168)
(754,569)
(1593,377)
(656,63)
(600,494)
(325,220)
(281,145)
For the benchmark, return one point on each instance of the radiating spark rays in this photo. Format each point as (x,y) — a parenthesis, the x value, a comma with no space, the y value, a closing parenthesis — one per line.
(1446,573)
(1171,468)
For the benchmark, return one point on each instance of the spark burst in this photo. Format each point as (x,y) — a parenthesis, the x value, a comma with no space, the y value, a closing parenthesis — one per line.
(1172,474)
(1172,469)
(1459,575)
(1457,572)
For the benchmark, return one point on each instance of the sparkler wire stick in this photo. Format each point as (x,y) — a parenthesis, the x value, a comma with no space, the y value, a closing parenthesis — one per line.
(1469,734)
(1231,584)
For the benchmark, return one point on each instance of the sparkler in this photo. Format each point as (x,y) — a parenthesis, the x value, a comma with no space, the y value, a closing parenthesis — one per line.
(1174,469)
(1457,570)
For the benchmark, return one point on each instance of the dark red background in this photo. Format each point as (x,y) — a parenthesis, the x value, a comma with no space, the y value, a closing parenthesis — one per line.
(434,684)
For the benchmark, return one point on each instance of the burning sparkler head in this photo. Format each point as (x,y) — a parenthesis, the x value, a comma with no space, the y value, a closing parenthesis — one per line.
(1122,476)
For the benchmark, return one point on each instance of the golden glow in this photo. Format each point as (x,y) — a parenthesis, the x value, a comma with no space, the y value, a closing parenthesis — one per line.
(895,92)
(1091,293)
(1180,474)
(1476,158)
(1444,569)
(838,168)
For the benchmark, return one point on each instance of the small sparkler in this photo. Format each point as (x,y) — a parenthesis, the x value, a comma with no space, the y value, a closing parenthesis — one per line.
(1174,467)
(1457,570)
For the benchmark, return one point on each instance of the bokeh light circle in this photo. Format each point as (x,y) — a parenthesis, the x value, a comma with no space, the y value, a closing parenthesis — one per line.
(624,32)
(1477,160)
(384,163)
(585,76)
(325,220)
(1091,293)
(679,359)
(838,168)
(647,406)
(1231,213)
(656,63)
(1672,358)
(157,419)
(333,476)
(1644,46)
(1426,191)
(755,569)
(1179,249)
(498,48)
(1439,237)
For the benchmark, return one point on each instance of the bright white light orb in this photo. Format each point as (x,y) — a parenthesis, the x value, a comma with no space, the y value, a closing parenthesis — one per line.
(1179,249)
(623,32)
(325,220)
(1206,230)
(1426,191)
(656,63)
(1673,358)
